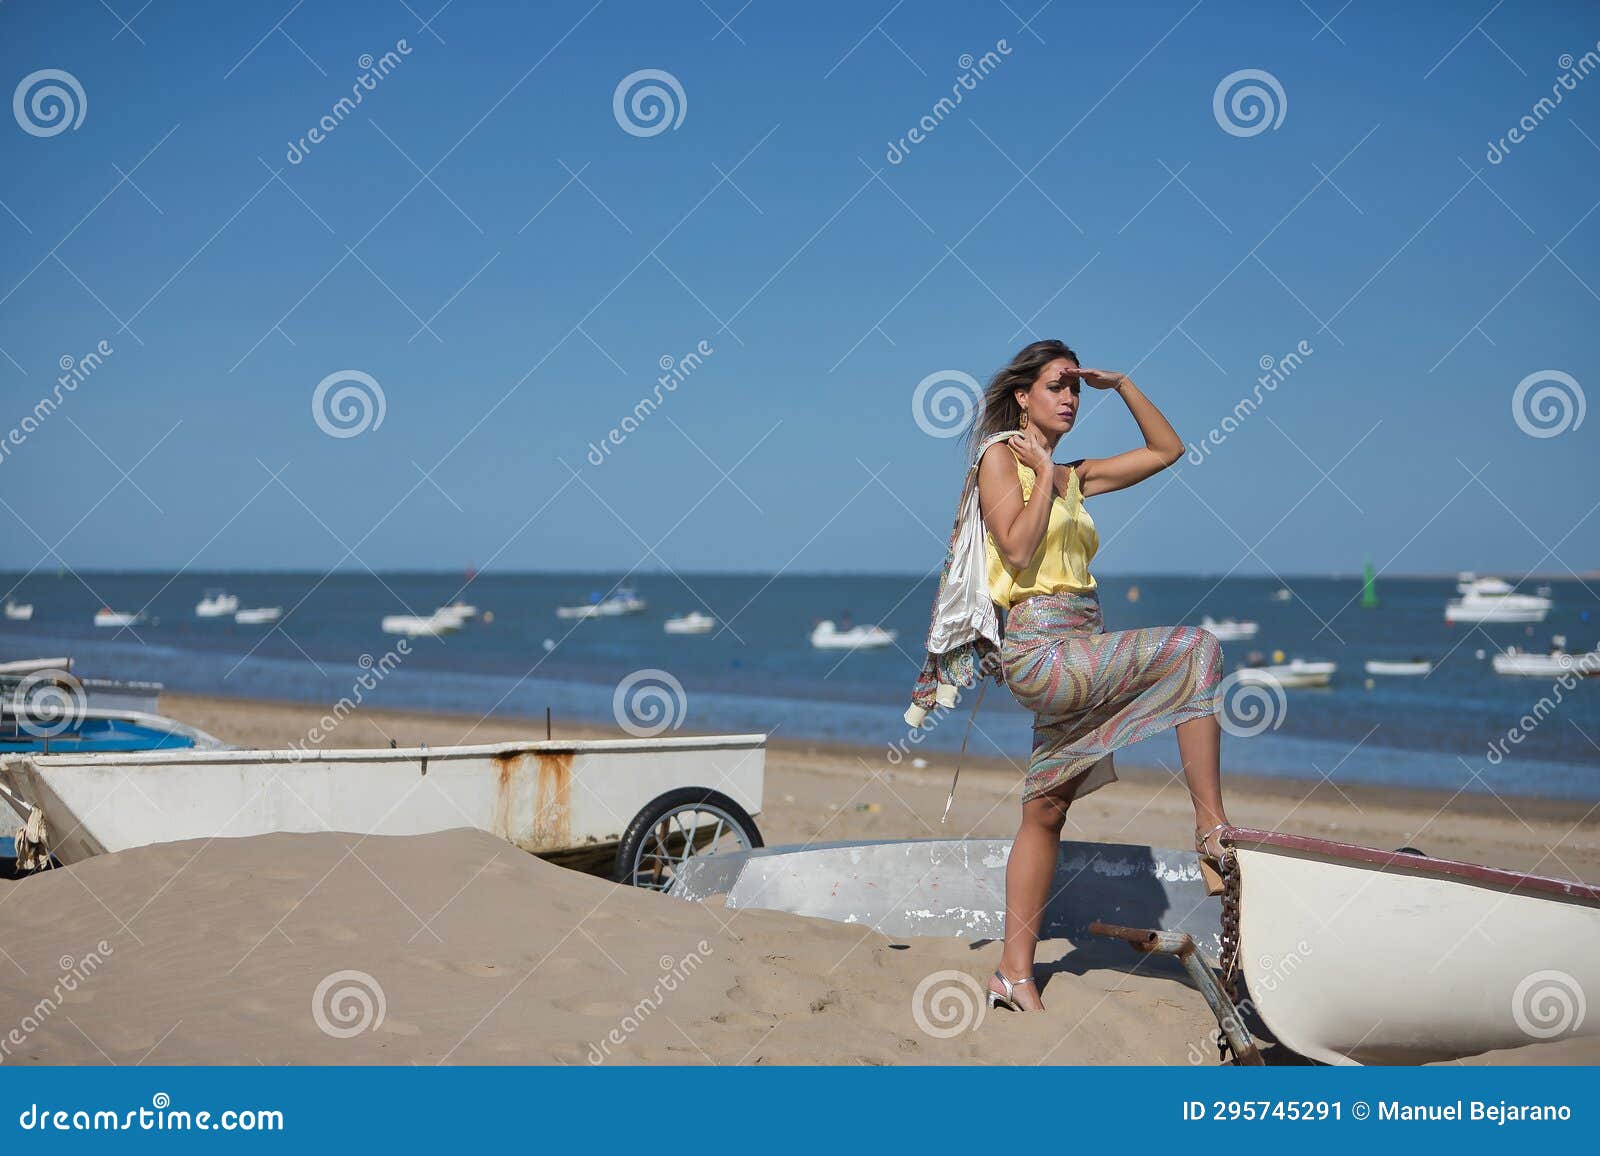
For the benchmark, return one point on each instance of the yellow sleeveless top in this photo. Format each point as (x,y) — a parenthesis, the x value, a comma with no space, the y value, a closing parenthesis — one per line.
(1061,563)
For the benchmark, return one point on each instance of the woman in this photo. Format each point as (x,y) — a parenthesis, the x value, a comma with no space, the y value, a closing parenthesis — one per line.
(1091,691)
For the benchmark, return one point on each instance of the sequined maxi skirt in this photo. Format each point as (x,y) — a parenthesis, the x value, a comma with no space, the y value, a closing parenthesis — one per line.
(1093,691)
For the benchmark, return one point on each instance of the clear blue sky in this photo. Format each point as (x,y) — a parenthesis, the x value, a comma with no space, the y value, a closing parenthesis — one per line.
(556,258)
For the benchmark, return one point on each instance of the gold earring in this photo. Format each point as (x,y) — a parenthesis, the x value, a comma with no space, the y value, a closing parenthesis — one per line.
(1022,422)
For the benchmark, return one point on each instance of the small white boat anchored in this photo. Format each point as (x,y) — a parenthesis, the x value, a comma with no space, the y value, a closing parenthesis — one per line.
(19,611)
(106,616)
(693,622)
(420,625)
(1282,594)
(639,808)
(1492,600)
(624,601)
(457,609)
(1295,672)
(1399,668)
(216,604)
(827,636)
(258,615)
(1551,665)
(1229,629)
(1352,955)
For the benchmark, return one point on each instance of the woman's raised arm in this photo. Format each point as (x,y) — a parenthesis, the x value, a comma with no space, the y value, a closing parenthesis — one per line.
(1161,448)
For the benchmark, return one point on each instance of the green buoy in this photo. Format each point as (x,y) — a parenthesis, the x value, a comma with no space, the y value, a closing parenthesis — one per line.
(1369,594)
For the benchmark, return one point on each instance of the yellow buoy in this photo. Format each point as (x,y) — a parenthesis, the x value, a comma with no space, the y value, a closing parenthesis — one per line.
(1277,656)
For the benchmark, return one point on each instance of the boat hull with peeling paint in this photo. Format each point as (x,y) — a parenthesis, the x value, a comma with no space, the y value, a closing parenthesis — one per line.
(544,797)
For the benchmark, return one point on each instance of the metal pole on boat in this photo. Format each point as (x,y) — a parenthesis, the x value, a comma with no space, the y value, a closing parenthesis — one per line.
(1182,945)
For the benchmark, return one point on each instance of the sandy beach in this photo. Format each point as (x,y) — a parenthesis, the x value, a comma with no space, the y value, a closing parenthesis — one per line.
(458,948)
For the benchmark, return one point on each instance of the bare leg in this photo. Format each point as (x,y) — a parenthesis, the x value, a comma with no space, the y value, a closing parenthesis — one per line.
(1200,748)
(1030,871)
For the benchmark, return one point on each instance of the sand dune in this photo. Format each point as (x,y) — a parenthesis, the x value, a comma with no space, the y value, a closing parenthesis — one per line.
(212,952)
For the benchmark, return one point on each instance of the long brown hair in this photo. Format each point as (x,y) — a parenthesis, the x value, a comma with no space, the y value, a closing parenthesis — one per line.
(1000,410)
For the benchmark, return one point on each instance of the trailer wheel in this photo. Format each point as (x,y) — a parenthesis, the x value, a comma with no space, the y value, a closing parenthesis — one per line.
(677,826)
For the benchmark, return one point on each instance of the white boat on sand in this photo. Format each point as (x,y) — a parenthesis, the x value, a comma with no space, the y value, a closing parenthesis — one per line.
(693,622)
(827,636)
(638,807)
(1295,672)
(1352,955)
(1229,629)
(1402,668)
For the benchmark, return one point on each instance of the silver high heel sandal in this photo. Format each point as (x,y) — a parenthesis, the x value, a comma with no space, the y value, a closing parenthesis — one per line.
(1009,999)
(1210,865)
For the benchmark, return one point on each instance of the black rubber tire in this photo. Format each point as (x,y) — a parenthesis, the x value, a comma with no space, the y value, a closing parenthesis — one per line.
(659,807)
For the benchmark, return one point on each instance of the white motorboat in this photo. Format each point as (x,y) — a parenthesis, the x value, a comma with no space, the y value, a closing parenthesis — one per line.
(1497,608)
(693,622)
(258,615)
(106,616)
(827,636)
(1552,665)
(1353,955)
(216,604)
(1493,600)
(1282,594)
(1401,668)
(459,609)
(1295,672)
(623,601)
(19,611)
(1229,629)
(420,625)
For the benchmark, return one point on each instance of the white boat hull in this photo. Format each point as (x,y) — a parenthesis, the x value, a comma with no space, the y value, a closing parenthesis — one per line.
(690,624)
(1399,669)
(826,636)
(1356,956)
(258,616)
(1547,665)
(1288,674)
(1497,608)
(416,625)
(543,796)
(1230,631)
(22,613)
